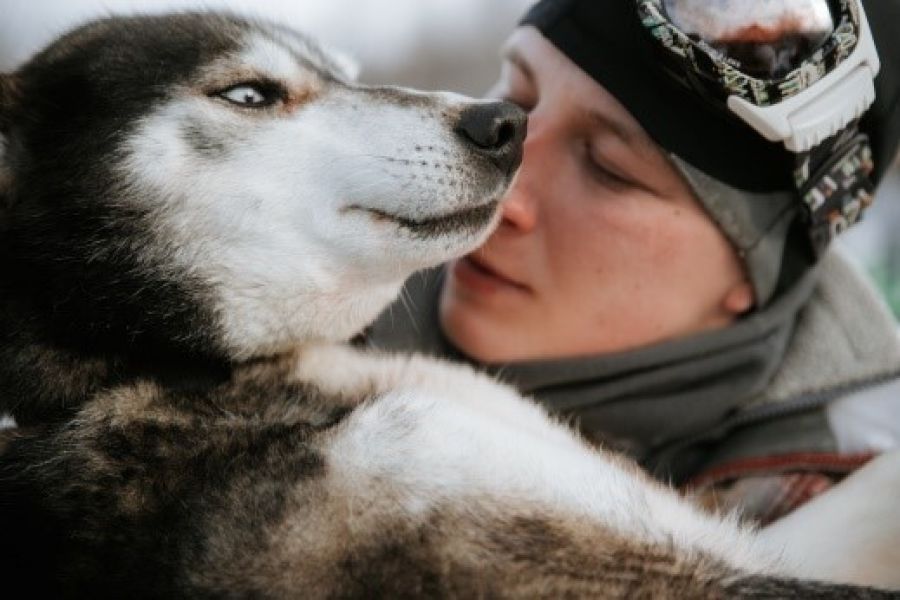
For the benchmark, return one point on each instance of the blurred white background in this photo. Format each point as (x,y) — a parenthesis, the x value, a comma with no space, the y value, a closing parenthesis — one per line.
(432,44)
(428,43)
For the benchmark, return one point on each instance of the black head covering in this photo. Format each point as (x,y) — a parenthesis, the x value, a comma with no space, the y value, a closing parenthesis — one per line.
(606,39)
(744,181)
(882,122)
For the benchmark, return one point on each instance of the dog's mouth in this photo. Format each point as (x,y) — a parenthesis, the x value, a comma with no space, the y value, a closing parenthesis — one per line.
(468,220)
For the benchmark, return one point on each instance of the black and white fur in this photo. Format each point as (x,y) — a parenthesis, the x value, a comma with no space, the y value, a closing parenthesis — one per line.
(149,221)
(196,211)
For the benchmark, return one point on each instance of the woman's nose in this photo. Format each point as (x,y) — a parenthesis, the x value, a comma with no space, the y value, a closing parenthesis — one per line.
(519,210)
(520,206)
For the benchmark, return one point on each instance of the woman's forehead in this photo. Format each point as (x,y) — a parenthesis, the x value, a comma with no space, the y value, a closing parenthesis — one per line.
(527,48)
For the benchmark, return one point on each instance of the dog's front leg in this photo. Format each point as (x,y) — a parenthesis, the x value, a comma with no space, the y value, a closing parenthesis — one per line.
(345,371)
(341,370)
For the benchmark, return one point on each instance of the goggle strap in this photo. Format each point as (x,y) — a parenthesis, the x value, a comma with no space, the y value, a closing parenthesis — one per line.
(834,182)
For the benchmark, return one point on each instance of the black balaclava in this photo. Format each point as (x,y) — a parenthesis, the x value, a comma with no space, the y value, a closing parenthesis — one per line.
(744,181)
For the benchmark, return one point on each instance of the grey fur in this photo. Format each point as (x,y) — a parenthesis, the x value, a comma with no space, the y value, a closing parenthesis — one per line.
(204,142)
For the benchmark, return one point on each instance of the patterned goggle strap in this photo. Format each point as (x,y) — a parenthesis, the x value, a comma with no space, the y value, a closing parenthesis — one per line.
(707,68)
(834,181)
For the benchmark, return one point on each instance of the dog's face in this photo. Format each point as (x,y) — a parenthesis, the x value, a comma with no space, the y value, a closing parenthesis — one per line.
(199,172)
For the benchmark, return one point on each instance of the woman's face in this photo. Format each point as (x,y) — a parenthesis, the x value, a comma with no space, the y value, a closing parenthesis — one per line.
(602,246)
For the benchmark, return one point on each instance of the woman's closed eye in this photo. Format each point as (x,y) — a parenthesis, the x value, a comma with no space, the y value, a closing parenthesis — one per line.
(603,171)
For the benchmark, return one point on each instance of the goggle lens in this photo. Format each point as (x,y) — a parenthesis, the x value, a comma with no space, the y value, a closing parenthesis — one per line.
(763,38)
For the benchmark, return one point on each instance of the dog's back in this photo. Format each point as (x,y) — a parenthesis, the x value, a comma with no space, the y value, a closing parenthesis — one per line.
(262,488)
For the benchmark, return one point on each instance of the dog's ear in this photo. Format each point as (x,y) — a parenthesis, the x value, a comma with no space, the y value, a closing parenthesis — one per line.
(9,97)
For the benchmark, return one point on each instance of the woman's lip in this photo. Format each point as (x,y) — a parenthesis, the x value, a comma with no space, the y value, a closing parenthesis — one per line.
(476,274)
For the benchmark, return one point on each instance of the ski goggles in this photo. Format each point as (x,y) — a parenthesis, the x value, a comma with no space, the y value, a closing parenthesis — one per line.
(812,105)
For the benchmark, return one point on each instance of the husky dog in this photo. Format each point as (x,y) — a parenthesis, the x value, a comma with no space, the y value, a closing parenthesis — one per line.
(196,211)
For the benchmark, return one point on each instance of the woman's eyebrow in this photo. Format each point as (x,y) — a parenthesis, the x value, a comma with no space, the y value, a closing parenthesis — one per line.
(604,121)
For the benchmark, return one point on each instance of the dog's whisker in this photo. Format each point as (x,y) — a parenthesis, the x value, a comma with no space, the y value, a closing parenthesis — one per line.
(410,306)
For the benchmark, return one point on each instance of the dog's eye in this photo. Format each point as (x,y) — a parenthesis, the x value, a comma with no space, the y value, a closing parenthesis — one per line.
(249,95)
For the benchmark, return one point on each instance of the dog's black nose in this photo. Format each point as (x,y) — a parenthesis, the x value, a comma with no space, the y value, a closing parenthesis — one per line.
(495,130)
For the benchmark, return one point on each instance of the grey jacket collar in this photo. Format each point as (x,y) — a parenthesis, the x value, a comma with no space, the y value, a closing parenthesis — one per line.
(846,337)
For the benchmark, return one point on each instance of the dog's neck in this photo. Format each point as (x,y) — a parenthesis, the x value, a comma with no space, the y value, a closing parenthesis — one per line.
(45,377)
